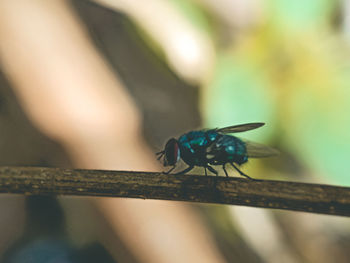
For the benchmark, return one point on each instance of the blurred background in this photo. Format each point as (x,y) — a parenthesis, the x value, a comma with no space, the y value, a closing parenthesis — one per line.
(103,84)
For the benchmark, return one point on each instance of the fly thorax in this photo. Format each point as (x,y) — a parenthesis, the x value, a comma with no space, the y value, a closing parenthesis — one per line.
(209,155)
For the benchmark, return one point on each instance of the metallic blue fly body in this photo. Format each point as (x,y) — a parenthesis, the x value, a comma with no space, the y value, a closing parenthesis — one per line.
(205,148)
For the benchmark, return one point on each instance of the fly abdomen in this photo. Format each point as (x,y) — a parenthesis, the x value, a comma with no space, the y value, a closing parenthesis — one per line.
(227,149)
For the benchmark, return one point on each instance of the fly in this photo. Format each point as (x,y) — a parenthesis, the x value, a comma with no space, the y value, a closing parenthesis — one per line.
(205,148)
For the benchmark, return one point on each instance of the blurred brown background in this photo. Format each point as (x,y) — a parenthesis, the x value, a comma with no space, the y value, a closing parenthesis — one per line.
(103,84)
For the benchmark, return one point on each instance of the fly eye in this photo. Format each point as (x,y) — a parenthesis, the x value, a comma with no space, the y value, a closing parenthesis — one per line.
(171,152)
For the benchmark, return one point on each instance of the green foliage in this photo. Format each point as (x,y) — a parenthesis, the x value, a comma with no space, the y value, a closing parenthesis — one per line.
(293,74)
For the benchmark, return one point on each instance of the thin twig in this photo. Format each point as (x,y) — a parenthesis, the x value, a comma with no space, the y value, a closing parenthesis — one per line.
(315,198)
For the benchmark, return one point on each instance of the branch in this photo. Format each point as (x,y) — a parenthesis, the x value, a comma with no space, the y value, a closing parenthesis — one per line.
(315,198)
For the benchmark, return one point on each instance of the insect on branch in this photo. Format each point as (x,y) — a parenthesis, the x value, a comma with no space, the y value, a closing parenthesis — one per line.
(315,198)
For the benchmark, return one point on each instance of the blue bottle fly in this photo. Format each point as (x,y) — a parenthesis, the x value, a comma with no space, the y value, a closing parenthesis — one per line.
(205,148)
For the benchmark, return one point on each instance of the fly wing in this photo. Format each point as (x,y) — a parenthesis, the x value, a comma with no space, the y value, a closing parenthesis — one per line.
(257,150)
(241,127)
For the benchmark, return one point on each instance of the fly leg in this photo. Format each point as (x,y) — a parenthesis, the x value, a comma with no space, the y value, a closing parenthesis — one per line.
(185,171)
(212,170)
(169,170)
(223,167)
(243,174)
(205,171)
